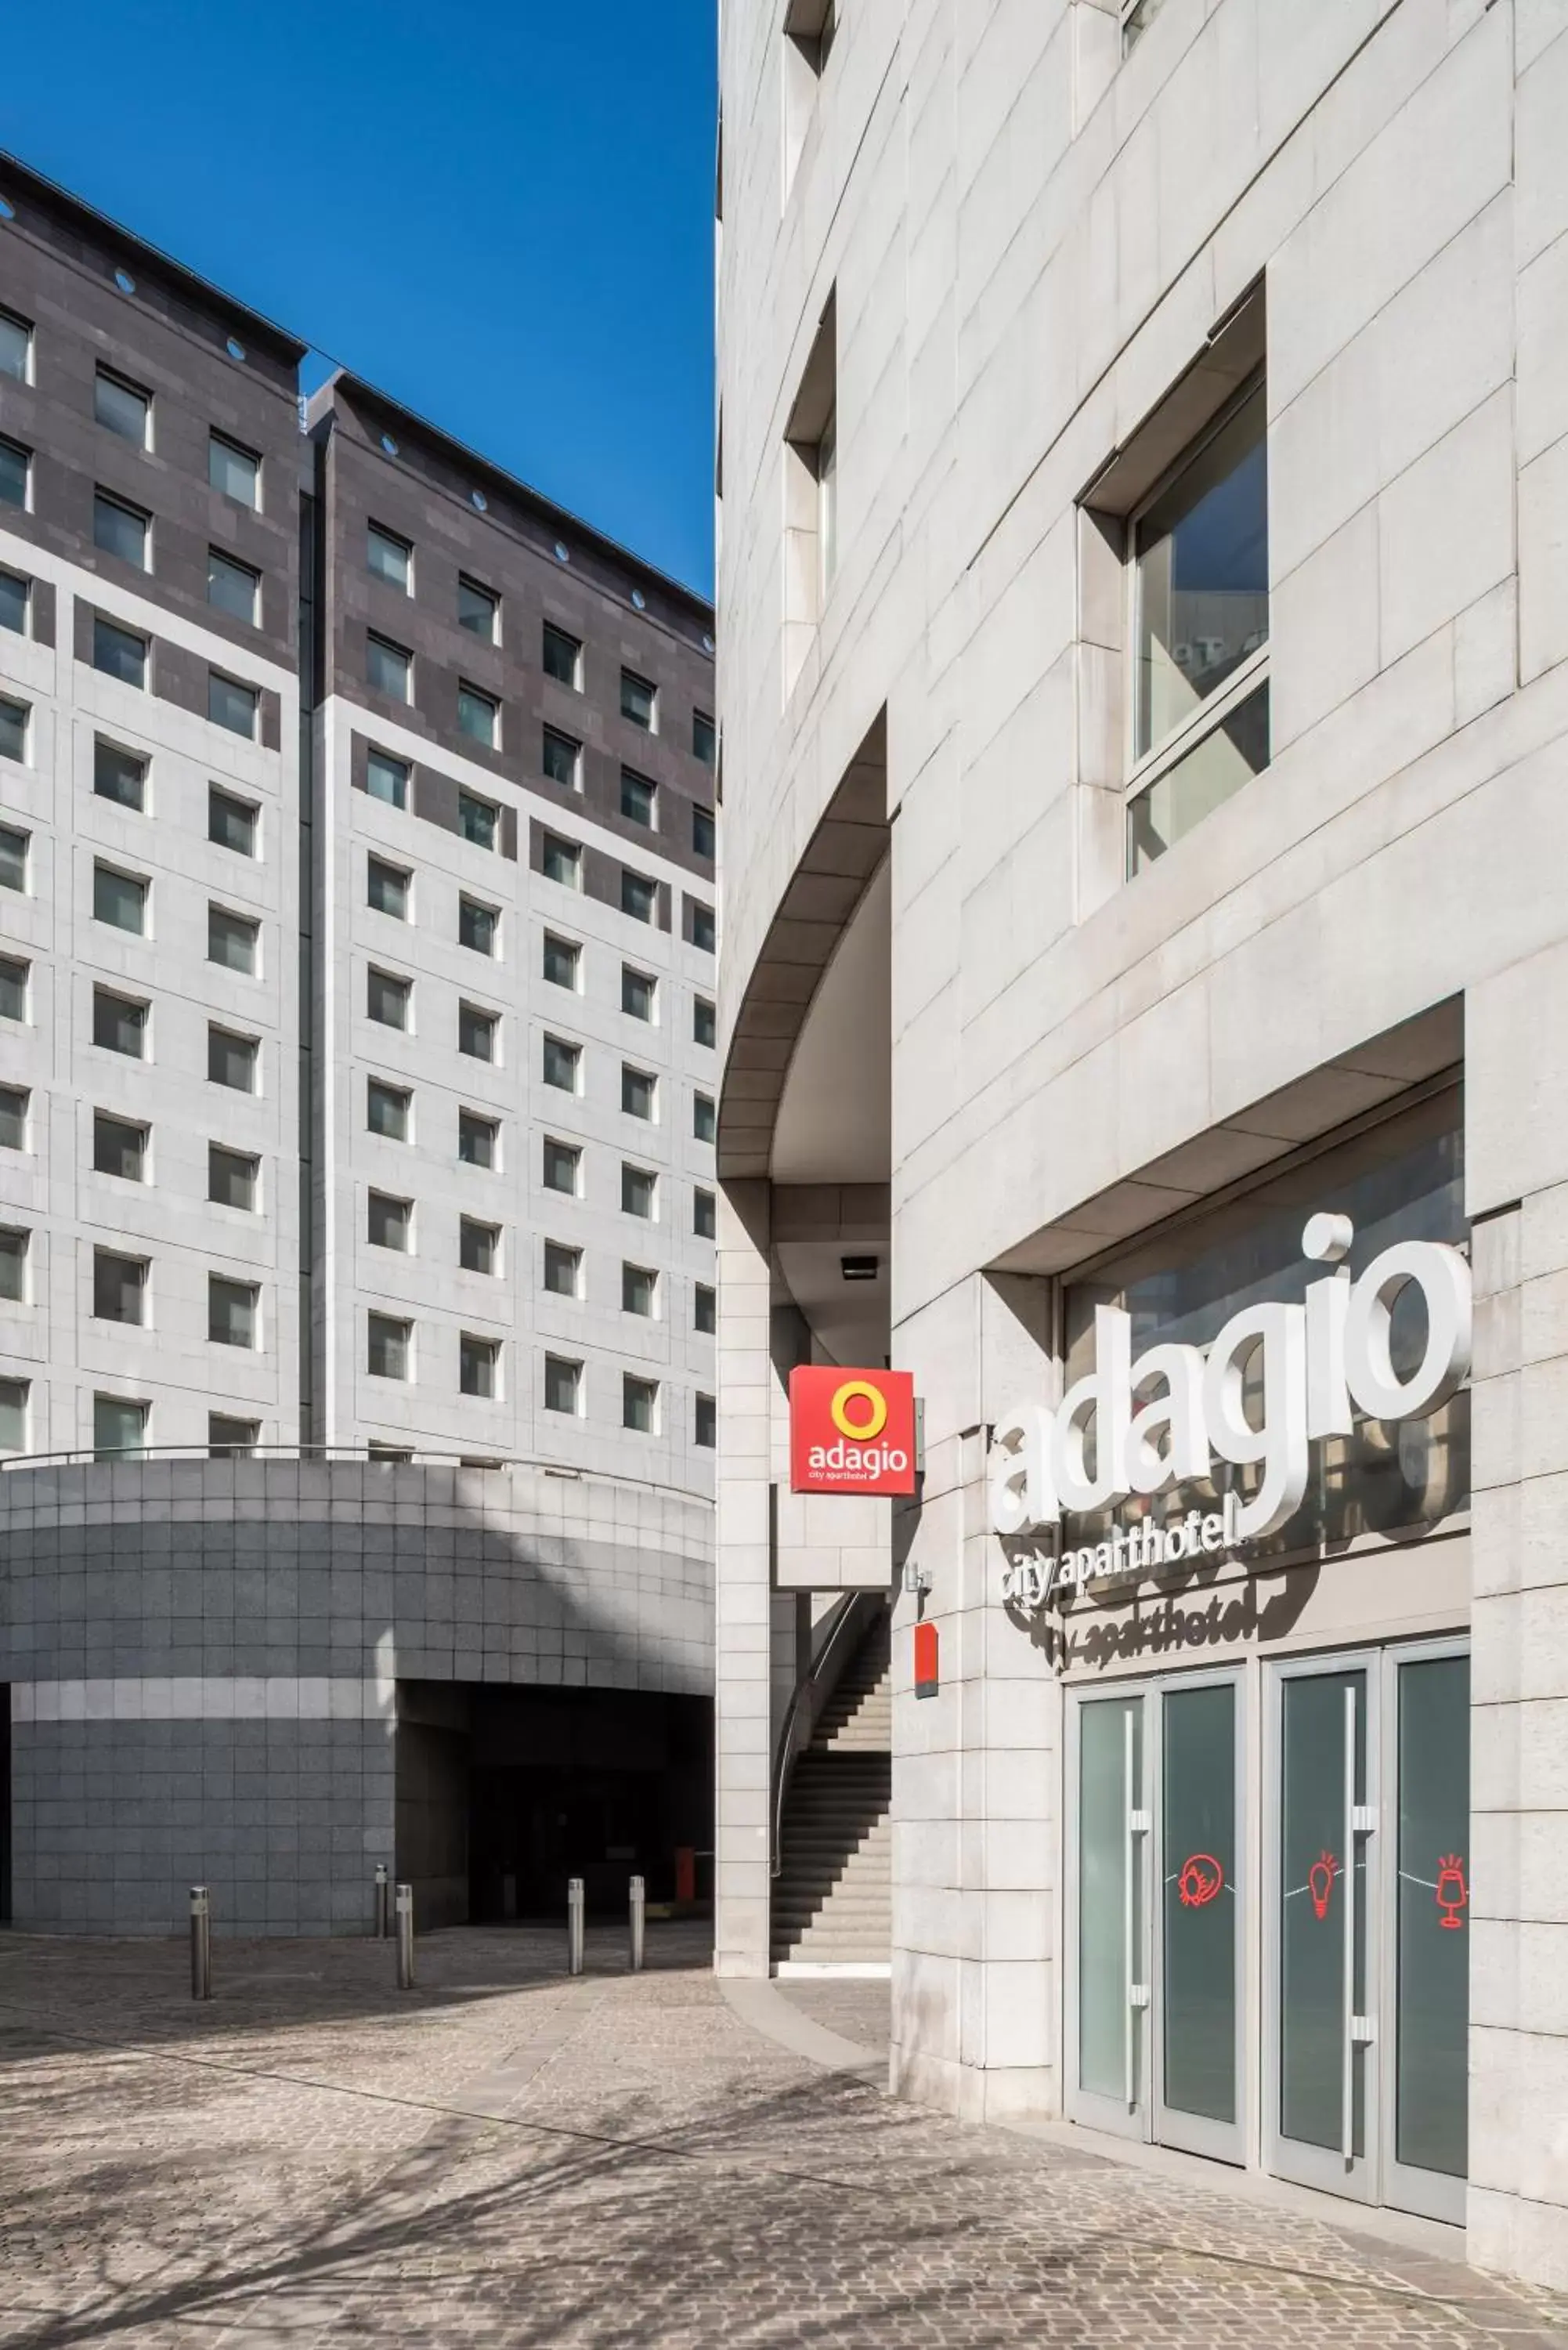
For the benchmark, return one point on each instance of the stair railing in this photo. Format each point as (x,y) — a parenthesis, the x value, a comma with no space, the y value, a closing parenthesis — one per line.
(805,1703)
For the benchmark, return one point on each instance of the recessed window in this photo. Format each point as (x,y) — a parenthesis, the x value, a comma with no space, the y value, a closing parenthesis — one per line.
(233,1178)
(120,1024)
(13,848)
(563,1270)
(563,961)
(15,473)
(563,1384)
(478,716)
(704,738)
(230,822)
(13,1416)
(639,896)
(14,1265)
(389,1344)
(118,1148)
(705,1309)
(119,652)
(119,900)
(234,1312)
(232,1059)
(478,1245)
(233,706)
(476,926)
(390,558)
(388,1110)
(704,1214)
(390,1223)
(705,1422)
(14,977)
(704,932)
(117,1427)
(478,610)
(561,860)
(704,1022)
(638,700)
(705,836)
(705,1119)
(387,889)
(234,588)
(639,799)
(388,1454)
(640,1404)
(13,1100)
(387,997)
(562,759)
(1137,16)
(233,940)
(477,820)
(118,1287)
(562,1064)
(563,657)
(236,471)
(638,992)
(638,1191)
(15,347)
(387,778)
(478,1365)
(563,1168)
(229,1438)
(15,602)
(119,775)
(14,722)
(478,1032)
(478,1138)
(638,1092)
(639,1291)
(388,667)
(121,407)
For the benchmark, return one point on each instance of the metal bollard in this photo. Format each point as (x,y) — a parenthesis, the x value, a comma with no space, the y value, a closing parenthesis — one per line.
(573,1925)
(200,1944)
(405,1899)
(639,1921)
(383,1902)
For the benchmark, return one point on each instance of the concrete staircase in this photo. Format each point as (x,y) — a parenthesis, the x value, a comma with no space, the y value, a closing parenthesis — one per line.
(832,1897)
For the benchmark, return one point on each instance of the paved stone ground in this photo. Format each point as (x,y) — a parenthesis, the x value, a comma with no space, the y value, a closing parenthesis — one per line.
(855,2008)
(505,2157)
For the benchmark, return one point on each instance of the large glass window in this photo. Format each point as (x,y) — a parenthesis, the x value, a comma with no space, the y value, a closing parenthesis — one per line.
(15,467)
(121,407)
(16,347)
(119,775)
(563,656)
(16,597)
(233,706)
(119,652)
(119,900)
(235,471)
(122,530)
(232,587)
(478,610)
(390,558)
(14,727)
(563,1167)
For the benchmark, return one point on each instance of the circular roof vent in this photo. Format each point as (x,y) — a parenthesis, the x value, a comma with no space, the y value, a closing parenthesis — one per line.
(235,348)
(561,554)
(389,444)
(125,281)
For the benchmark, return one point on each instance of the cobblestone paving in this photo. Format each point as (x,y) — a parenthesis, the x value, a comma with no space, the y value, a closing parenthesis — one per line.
(504,2156)
(856,2009)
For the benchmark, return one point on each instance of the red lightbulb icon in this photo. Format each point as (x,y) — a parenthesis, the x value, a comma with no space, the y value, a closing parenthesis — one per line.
(1320,1882)
(1452,1892)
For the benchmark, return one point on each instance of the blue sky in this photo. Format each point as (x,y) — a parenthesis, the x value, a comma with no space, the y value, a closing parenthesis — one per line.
(500,211)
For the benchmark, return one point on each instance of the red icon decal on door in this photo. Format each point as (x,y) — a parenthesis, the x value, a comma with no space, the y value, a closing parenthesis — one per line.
(1452,1893)
(1201,1881)
(1320,1882)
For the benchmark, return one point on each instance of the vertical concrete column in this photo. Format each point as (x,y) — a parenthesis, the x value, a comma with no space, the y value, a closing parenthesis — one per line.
(742,1597)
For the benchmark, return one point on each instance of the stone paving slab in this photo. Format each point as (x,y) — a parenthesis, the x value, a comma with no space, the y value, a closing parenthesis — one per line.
(508,2157)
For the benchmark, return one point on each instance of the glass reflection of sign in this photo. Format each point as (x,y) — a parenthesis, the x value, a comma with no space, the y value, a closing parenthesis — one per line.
(851,1432)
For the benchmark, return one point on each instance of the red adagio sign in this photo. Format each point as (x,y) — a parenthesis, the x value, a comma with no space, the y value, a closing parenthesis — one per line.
(851,1432)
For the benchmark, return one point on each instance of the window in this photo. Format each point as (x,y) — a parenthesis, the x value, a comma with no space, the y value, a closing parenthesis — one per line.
(478,1138)
(233,1311)
(563,961)
(387,1453)
(13,1100)
(562,1064)
(811,492)
(478,717)
(704,934)
(563,1270)
(704,738)
(477,609)
(388,1344)
(1199,554)
(235,471)
(478,1245)
(16,597)
(563,1167)
(478,1365)
(639,799)
(232,705)
(229,1438)
(705,1422)
(704,1122)
(476,926)
(14,1265)
(638,992)
(639,1404)
(119,900)
(478,1032)
(14,717)
(1137,16)
(638,700)
(118,1148)
(390,558)
(387,997)
(120,1024)
(232,1059)
(119,652)
(13,976)
(638,1290)
(13,1416)
(121,407)
(387,889)
(638,1193)
(563,1384)
(389,668)
(705,1310)
(563,657)
(562,759)
(638,1092)
(387,1110)
(13,848)
(705,836)
(387,778)
(477,820)
(117,1427)
(561,860)
(704,1214)
(234,588)
(231,1178)
(704,1022)
(639,896)
(390,1223)
(233,940)
(15,470)
(119,775)
(230,822)
(118,1287)
(15,347)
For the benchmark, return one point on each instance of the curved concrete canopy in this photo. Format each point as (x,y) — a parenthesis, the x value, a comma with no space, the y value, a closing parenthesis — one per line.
(834,1114)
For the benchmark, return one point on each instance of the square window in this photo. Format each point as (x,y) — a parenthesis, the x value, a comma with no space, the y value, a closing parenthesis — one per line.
(119,775)
(234,588)
(639,799)
(477,819)
(562,1064)
(563,1384)
(704,1120)
(121,407)
(389,1344)
(16,597)
(15,347)
(561,860)
(390,558)
(478,1245)
(232,1059)
(704,1022)
(13,1100)
(639,1291)
(638,700)
(387,778)
(563,1270)
(235,471)
(233,1311)
(563,961)
(119,900)
(230,822)
(120,1024)
(704,839)
(562,759)
(233,706)
(563,1167)
(705,1311)
(390,1223)
(478,717)
(387,1110)
(704,934)
(14,717)
(1225,757)
(704,1214)
(118,1287)
(233,1178)
(563,657)
(478,1138)
(638,1191)
(233,940)
(478,1032)
(705,1422)
(122,530)
(13,848)
(704,738)
(388,667)
(640,1404)
(118,1148)
(119,652)
(13,1416)
(638,992)
(387,997)
(387,889)
(229,1438)
(15,470)
(476,926)
(478,1365)
(478,610)
(638,1092)
(13,976)
(14,1265)
(117,1427)
(639,896)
